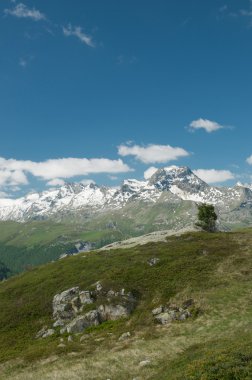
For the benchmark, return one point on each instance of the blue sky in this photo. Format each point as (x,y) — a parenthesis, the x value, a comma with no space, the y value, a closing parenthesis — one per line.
(103,90)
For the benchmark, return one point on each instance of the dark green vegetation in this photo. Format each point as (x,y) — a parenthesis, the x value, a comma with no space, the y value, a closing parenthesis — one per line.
(4,271)
(215,344)
(25,245)
(206,217)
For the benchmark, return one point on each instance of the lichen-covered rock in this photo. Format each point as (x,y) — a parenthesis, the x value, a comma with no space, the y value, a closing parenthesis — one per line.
(80,323)
(58,323)
(69,309)
(62,304)
(157,310)
(164,315)
(163,318)
(124,336)
(44,333)
(68,304)
(85,297)
(153,261)
(113,312)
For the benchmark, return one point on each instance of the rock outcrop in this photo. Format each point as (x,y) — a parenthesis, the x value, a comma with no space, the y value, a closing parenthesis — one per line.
(167,314)
(74,310)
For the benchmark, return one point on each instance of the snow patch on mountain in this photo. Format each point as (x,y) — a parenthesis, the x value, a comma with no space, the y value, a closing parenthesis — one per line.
(77,197)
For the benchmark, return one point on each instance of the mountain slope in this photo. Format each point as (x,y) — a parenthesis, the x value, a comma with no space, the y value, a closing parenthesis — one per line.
(50,224)
(84,202)
(215,270)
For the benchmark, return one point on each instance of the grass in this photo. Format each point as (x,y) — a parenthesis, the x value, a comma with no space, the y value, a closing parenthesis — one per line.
(23,245)
(213,269)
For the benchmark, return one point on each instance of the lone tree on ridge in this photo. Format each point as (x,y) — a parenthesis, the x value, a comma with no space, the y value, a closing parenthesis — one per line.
(206,217)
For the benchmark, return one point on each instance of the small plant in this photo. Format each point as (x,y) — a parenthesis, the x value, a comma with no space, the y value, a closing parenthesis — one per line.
(206,217)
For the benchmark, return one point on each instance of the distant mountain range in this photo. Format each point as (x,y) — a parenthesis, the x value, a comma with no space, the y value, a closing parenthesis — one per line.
(171,193)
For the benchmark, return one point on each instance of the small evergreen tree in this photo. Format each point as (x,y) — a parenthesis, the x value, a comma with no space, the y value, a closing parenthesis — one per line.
(206,217)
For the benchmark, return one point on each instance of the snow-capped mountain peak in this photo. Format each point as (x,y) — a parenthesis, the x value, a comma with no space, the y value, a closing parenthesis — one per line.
(76,198)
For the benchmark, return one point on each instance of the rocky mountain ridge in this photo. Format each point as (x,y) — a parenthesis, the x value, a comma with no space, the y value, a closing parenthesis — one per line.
(178,182)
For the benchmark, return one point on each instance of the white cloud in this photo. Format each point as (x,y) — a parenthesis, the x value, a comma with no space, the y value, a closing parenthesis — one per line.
(13,177)
(153,153)
(56,182)
(22,11)
(249,160)
(149,172)
(208,125)
(213,175)
(3,194)
(77,32)
(62,167)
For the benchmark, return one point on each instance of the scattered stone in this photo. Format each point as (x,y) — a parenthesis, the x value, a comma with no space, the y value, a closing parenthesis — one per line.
(41,332)
(158,310)
(153,261)
(70,339)
(44,333)
(61,345)
(98,286)
(49,332)
(61,340)
(204,252)
(164,315)
(163,318)
(144,363)
(110,293)
(125,336)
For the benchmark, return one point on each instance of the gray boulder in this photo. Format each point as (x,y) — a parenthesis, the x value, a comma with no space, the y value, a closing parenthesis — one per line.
(68,304)
(158,310)
(113,312)
(124,336)
(80,323)
(68,309)
(85,297)
(44,333)
(163,318)
(164,315)
(153,261)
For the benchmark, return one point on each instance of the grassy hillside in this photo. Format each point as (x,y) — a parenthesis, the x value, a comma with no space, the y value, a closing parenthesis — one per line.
(24,245)
(216,343)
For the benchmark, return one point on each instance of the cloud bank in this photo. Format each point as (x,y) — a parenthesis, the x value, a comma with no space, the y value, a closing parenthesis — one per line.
(14,172)
(153,153)
(213,175)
